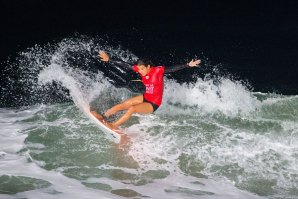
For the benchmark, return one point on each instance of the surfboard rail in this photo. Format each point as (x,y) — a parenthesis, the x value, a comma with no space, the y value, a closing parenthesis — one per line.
(110,134)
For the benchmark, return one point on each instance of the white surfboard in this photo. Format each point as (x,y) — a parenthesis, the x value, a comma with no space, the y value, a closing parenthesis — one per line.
(110,134)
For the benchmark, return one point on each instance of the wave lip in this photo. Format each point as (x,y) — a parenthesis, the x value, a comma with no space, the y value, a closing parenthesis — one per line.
(228,97)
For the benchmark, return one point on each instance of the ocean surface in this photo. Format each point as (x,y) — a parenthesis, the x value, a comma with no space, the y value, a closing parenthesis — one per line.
(213,137)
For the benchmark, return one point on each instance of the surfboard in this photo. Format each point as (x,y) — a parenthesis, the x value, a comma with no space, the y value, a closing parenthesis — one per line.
(110,134)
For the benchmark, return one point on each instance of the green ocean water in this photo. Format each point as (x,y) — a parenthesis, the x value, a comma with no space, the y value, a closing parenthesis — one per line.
(256,153)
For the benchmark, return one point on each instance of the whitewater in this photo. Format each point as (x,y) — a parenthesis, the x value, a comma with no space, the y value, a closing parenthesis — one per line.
(209,139)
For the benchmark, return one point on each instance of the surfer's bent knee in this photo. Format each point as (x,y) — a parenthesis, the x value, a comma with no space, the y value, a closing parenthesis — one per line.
(126,105)
(131,109)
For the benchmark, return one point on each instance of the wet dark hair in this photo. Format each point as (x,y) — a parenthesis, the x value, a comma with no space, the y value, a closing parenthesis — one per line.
(144,61)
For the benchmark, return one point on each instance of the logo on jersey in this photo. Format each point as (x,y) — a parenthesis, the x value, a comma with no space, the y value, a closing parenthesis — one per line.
(149,88)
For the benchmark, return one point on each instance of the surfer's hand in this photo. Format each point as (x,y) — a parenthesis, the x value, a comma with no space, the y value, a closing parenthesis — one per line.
(193,63)
(103,56)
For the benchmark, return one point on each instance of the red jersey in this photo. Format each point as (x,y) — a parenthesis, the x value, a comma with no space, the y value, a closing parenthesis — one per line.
(153,82)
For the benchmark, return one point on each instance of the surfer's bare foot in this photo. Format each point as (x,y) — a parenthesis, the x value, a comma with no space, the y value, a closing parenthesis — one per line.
(98,116)
(107,124)
(109,112)
(110,126)
(117,130)
(115,127)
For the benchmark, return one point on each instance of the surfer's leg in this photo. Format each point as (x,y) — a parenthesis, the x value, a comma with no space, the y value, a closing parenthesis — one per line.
(124,105)
(139,108)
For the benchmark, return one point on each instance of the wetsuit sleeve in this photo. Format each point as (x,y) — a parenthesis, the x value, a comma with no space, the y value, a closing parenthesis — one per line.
(171,69)
(121,63)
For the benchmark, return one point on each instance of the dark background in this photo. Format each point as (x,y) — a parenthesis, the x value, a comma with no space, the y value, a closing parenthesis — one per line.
(256,41)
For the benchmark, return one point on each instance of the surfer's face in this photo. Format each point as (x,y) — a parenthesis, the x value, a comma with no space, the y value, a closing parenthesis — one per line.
(143,70)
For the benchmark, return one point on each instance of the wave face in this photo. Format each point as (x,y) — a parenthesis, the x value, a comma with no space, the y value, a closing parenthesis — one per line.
(209,139)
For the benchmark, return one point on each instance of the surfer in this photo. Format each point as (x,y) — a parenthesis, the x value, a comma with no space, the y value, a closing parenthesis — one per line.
(152,78)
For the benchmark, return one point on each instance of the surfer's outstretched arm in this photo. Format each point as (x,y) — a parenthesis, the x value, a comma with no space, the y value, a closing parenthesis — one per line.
(106,58)
(192,63)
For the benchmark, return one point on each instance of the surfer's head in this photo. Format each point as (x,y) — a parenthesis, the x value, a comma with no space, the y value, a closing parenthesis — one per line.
(144,66)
